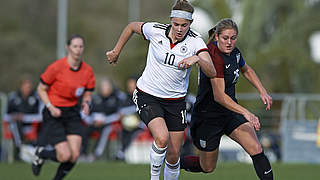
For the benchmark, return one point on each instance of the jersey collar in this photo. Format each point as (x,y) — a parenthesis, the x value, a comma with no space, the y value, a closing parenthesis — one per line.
(75,70)
(174,44)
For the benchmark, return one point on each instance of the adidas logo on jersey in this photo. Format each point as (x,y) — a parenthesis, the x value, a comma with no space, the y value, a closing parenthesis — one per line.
(160,42)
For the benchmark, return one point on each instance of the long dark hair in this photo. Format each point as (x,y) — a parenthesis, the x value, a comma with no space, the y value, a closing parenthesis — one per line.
(73,36)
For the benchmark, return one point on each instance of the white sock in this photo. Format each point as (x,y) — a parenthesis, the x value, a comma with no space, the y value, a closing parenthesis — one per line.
(172,171)
(157,156)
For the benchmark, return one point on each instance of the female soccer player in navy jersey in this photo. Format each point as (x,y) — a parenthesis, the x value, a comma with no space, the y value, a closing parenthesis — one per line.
(161,90)
(216,111)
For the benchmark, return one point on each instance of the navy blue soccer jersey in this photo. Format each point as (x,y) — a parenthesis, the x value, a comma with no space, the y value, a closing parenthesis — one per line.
(227,67)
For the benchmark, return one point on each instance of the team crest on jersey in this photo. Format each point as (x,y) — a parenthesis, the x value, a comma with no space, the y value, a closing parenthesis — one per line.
(183,49)
(203,143)
(238,57)
(79,91)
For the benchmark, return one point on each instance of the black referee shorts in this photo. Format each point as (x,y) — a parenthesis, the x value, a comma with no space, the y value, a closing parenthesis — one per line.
(207,128)
(55,130)
(150,107)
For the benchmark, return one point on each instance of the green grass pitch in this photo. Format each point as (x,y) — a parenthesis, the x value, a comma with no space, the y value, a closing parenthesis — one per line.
(122,171)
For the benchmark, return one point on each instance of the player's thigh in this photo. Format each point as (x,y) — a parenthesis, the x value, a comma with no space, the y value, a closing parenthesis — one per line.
(247,138)
(63,151)
(148,107)
(74,142)
(175,114)
(53,130)
(206,131)
(159,131)
(208,160)
(174,146)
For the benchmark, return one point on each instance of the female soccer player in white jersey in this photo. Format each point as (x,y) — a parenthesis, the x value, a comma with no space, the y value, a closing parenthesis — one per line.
(161,90)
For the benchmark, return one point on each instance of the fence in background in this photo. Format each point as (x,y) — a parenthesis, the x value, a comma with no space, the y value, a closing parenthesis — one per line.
(294,120)
(288,130)
(6,149)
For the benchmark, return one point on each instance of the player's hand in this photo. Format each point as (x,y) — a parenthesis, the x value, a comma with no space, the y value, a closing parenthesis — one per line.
(85,108)
(253,120)
(188,62)
(112,56)
(267,100)
(55,112)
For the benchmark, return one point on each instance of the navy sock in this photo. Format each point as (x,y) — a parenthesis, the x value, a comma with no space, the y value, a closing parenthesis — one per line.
(262,166)
(191,163)
(63,170)
(49,154)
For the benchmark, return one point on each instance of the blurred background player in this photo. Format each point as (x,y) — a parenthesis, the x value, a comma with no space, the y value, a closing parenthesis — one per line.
(61,85)
(217,111)
(161,90)
(23,119)
(131,123)
(104,118)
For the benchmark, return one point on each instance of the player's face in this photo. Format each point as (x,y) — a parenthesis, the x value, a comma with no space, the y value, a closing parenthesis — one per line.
(227,40)
(106,88)
(76,47)
(26,87)
(179,28)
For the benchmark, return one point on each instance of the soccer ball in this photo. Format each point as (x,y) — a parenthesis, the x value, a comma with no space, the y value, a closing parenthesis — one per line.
(130,122)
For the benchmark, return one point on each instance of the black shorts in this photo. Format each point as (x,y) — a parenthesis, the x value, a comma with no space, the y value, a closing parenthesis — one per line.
(208,128)
(55,130)
(150,107)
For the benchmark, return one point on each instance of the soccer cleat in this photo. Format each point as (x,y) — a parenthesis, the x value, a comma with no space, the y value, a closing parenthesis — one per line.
(37,162)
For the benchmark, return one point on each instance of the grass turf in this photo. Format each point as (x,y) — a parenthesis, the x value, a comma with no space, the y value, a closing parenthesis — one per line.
(122,171)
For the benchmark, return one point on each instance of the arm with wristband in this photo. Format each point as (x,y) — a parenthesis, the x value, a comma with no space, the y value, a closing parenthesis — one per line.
(42,91)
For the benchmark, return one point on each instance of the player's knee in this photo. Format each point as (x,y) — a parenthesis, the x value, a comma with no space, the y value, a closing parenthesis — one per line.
(162,141)
(209,169)
(173,153)
(64,157)
(75,156)
(256,149)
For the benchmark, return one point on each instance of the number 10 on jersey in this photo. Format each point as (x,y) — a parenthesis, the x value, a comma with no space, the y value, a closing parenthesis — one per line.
(169,59)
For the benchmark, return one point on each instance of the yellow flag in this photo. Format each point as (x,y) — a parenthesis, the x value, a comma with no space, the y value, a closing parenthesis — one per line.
(318,133)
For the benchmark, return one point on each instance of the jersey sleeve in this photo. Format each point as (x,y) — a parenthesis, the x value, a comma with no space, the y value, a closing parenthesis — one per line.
(91,81)
(200,46)
(216,59)
(239,57)
(241,62)
(49,75)
(147,30)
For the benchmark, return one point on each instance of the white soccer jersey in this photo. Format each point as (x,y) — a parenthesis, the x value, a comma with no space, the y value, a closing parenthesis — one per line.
(161,76)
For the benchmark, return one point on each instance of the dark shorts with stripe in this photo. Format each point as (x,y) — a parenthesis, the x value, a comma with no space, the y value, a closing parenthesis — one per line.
(207,128)
(150,107)
(55,130)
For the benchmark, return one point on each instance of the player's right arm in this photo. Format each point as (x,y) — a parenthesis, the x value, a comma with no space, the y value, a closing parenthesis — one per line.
(43,94)
(133,27)
(218,87)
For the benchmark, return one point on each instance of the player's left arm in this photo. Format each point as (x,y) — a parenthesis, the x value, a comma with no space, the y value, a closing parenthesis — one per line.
(86,102)
(252,77)
(87,98)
